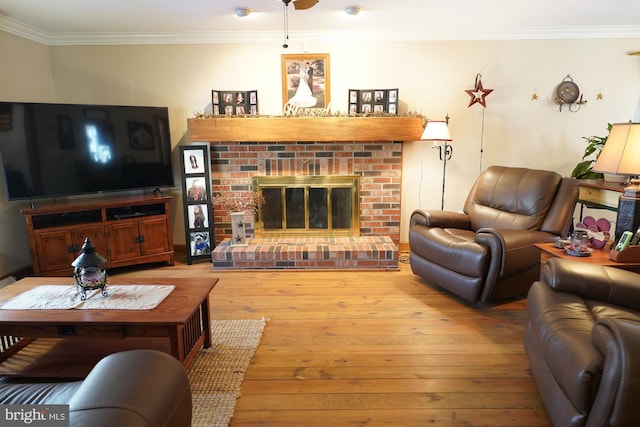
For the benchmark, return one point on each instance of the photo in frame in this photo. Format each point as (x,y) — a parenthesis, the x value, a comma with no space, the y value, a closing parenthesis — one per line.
(306,81)
(199,243)
(198,217)
(197,197)
(196,189)
(193,161)
(367,101)
(234,102)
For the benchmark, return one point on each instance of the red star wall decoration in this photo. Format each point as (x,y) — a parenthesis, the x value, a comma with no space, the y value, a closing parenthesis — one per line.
(479,93)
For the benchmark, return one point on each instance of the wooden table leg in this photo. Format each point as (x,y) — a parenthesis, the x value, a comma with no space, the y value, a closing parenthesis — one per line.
(206,322)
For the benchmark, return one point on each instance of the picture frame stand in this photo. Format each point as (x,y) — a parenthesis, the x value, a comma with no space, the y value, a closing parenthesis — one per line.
(197,201)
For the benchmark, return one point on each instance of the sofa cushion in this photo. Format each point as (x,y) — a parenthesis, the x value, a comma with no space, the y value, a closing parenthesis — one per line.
(15,392)
(562,324)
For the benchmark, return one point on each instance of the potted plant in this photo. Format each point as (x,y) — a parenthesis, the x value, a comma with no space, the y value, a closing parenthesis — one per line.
(594,147)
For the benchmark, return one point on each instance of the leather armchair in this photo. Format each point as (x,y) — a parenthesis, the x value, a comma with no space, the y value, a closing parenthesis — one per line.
(485,254)
(137,388)
(583,343)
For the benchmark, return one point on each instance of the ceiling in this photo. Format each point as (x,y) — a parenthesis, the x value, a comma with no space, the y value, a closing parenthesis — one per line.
(58,22)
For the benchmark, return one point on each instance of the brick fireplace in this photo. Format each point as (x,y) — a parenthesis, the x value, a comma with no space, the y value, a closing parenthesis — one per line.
(369,149)
(378,164)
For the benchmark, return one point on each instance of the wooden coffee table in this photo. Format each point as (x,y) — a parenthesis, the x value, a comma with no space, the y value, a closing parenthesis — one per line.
(599,256)
(69,342)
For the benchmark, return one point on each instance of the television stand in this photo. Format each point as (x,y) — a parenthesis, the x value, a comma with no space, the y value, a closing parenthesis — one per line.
(126,230)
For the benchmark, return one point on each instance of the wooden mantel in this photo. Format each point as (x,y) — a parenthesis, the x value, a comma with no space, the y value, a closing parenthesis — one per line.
(290,129)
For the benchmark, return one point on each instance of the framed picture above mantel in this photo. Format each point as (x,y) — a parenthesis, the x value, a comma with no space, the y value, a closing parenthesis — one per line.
(306,81)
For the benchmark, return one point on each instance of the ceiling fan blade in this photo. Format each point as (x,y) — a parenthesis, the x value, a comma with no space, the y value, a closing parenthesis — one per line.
(304,4)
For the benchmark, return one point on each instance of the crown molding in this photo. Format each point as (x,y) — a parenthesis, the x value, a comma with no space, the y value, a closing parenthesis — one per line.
(263,37)
(17,28)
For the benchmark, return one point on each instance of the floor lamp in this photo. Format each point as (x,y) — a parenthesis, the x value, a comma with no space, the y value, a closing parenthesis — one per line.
(438,133)
(621,155)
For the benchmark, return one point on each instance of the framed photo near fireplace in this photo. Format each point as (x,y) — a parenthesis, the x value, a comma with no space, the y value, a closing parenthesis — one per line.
(306,81)
(234,102)
(197,201)
(367,101)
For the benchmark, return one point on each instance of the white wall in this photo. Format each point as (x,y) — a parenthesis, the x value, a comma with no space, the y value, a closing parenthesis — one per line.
(431,76)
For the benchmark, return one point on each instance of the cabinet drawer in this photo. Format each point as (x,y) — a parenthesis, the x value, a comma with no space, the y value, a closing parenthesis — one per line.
(599,196)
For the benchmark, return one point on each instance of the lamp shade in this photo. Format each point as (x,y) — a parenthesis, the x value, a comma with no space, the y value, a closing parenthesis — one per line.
(436,131)
(621,152)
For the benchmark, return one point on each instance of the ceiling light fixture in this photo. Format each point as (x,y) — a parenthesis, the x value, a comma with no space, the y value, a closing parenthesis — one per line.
(243,11)
(353,10)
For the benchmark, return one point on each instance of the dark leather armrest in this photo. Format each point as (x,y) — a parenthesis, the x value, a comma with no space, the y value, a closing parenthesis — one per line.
(616,403)
(514,248)
(133,388)
(429,218)
(592,281)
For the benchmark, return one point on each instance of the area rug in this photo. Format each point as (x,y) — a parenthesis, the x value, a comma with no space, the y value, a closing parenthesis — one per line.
(217,373)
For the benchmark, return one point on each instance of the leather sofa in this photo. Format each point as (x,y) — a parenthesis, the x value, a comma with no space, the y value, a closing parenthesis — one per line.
(583,343)
(137,388)
(485,254)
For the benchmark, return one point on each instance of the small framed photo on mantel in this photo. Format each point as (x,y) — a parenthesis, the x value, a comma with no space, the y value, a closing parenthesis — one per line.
(234,102)
(371,101)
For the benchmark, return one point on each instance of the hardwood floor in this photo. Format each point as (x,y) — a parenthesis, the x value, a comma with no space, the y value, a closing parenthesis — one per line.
(373,348)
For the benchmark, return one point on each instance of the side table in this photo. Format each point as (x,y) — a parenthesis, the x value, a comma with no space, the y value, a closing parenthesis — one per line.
(598,194)
(599,256)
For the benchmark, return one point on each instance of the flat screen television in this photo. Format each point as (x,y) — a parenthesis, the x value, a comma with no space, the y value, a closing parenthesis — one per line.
(52,150)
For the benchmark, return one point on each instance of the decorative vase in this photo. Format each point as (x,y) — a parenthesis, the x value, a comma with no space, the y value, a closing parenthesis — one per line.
(238,229)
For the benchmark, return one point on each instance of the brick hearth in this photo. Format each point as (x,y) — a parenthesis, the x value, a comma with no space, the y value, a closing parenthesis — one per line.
(367,252)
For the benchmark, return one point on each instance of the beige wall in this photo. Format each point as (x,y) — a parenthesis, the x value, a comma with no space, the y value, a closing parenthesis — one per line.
(431,76)
(25,75)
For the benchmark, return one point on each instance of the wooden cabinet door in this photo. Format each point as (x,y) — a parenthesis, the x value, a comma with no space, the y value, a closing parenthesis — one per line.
(123,240)
(57,249)
(154,236)
(95,233)
(54,251)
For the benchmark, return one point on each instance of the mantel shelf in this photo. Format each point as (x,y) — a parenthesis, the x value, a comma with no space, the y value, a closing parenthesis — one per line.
(291,129)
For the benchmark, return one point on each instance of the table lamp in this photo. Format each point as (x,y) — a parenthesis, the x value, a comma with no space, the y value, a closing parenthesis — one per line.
(621,155)
(438,132)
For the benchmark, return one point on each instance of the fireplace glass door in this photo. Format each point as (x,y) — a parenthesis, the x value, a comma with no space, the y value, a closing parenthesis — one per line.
(318,205)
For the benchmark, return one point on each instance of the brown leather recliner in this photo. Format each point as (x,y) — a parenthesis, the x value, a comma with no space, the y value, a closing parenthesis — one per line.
(135,388)
(485,254)
(583,343)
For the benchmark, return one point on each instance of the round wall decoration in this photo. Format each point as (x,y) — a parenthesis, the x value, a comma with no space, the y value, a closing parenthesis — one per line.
(568,91)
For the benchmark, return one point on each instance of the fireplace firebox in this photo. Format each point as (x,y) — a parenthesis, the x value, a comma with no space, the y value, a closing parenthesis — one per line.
(308,205)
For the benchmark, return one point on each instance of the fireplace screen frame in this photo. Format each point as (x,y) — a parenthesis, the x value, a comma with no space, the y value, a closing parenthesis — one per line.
(307,183)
